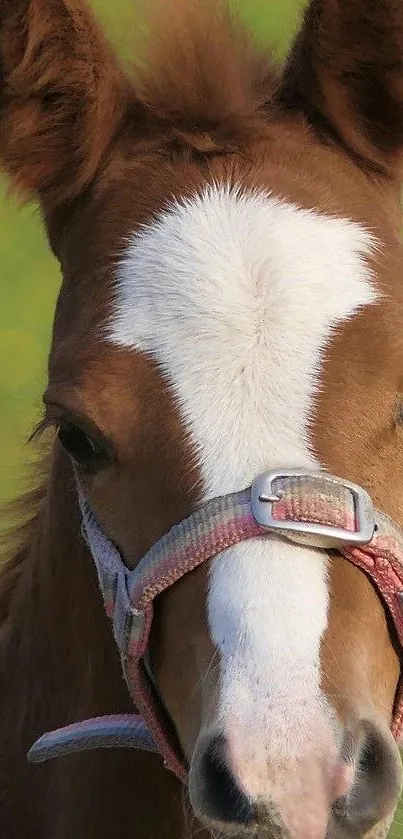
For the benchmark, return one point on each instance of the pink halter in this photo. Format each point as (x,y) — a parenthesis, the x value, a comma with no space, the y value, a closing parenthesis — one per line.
(310,508)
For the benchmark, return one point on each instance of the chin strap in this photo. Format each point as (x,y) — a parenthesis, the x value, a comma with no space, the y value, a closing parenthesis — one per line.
(310,508)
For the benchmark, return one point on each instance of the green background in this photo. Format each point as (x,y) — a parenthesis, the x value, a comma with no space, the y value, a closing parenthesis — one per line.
(29,277)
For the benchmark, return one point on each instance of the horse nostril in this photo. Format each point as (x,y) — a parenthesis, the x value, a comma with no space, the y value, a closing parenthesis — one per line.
(377,779)
(221,798)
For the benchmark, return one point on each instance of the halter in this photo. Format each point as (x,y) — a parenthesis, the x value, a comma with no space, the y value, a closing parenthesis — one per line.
(309,508)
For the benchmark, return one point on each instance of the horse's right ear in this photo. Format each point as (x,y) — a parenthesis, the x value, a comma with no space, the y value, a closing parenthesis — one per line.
(345,73)
(62,97)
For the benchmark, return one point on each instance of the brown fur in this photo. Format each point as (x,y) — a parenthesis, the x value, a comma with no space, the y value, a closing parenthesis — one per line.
(103,154)
(223,98)
(62,97)
(26,514)
(346,73)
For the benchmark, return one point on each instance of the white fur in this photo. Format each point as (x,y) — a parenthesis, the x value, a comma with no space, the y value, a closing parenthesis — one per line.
(235,295)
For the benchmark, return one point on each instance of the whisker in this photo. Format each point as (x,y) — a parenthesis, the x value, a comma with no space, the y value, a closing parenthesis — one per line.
(210,669)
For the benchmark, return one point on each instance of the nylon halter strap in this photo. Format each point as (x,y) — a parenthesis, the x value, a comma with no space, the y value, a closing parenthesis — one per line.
(310,508)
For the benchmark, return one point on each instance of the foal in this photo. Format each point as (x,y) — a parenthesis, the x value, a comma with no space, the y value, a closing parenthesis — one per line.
(231,302)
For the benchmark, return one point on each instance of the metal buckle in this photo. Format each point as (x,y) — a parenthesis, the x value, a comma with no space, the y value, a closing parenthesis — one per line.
(263,497)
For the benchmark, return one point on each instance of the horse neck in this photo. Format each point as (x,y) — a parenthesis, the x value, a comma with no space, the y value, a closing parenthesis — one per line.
(56,620)
(59,664)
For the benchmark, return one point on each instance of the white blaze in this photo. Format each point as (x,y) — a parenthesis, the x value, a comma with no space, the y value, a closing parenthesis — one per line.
(235,295)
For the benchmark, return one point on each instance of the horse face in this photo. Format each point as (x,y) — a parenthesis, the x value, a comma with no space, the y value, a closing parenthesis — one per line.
(230,303)
(274,697)
(236,340)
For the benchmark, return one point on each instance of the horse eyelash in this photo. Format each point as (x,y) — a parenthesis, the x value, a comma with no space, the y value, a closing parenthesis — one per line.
(41,427)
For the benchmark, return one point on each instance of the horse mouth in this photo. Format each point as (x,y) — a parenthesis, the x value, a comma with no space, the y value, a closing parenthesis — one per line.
(334,831)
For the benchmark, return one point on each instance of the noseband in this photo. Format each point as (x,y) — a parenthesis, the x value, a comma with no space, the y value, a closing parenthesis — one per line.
(310,508)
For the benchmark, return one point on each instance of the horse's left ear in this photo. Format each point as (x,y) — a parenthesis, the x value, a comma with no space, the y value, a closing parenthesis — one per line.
(63,97)
(345,73)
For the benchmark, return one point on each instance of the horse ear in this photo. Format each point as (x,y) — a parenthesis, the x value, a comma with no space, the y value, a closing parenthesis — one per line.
(345,73)
(62,97)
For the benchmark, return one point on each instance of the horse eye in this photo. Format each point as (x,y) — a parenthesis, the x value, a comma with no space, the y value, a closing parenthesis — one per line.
(86,452)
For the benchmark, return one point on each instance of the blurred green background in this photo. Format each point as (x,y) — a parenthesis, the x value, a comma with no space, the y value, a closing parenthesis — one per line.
(29,276)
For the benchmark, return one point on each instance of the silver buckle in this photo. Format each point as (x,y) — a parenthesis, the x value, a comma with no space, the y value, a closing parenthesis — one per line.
(263,497)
